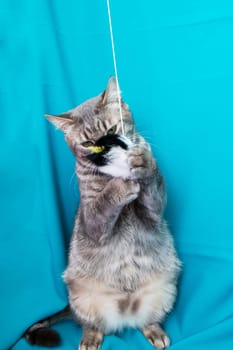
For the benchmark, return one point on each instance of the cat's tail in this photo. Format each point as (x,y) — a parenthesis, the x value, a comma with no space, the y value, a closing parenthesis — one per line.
(40,333)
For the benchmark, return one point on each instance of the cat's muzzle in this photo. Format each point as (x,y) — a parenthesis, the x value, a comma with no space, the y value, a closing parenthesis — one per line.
(103,145)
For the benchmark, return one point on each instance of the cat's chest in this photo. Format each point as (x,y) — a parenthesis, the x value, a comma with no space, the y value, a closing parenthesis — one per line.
(128,227)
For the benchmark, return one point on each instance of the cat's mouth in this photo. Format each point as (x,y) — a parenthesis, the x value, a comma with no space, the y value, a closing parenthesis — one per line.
(104,145)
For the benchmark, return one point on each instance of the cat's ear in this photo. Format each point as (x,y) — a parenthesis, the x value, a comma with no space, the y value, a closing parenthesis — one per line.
(62,121)
(111,93)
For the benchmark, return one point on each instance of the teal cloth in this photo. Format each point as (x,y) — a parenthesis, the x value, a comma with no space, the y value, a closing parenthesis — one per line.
(175,62)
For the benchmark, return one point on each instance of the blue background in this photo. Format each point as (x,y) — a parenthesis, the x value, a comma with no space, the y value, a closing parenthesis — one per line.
(175,63)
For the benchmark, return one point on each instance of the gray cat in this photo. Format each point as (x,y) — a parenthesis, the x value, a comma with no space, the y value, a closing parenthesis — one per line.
(123,267)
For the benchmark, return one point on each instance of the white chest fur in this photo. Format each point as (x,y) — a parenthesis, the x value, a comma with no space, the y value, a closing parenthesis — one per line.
(118,163)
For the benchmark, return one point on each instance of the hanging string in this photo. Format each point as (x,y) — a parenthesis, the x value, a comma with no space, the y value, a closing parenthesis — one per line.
(115,64)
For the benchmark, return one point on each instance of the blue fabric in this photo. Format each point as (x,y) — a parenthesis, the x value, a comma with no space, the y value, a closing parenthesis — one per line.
(175,62)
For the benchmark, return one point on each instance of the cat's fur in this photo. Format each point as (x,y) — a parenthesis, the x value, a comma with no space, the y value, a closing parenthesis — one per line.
(123,267)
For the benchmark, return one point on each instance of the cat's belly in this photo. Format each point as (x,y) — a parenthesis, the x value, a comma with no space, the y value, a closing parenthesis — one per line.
(111,310)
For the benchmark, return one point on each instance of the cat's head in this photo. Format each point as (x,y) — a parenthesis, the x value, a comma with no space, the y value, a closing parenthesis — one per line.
(94,132)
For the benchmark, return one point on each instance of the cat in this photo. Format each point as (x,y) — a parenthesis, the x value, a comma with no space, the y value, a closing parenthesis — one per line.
(123,267)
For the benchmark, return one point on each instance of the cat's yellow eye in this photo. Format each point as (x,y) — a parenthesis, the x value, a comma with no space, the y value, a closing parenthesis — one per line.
(112,130)
(87,144)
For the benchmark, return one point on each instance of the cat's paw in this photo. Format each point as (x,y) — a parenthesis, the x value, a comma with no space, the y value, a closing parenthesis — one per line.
(125,191)
(141,163)
(157,336)
(91,340)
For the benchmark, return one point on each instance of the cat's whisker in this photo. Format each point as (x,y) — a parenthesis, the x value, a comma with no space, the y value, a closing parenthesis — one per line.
(132,139)
(75,187)
(72,178)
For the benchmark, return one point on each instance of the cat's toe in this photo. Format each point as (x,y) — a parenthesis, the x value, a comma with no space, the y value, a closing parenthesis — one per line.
(156,336)
(91,340)
(89,346)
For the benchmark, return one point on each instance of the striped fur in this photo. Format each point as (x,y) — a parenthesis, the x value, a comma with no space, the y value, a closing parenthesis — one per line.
(123,267)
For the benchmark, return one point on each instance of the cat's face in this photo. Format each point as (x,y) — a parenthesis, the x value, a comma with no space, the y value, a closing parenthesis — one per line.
(93,131)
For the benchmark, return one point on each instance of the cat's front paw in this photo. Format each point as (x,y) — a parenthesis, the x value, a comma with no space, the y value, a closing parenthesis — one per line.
(125,191)
(141,163)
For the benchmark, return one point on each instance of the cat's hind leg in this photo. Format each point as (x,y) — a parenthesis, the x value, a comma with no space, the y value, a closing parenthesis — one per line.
(91,339)
(156,336)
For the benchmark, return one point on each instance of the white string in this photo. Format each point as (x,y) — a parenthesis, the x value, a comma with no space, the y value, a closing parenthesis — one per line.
(115,64)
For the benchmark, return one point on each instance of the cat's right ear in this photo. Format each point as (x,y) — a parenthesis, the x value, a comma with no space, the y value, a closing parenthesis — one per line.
(111,93)
(61,121)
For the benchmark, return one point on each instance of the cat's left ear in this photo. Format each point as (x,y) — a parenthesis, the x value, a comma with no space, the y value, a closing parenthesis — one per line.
(110,94)
(61,121)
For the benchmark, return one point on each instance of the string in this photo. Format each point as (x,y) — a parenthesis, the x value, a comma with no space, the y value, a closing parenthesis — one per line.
(115,64)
